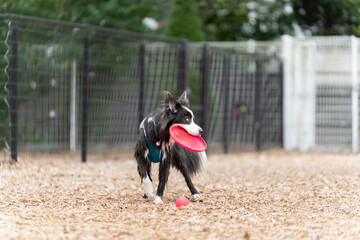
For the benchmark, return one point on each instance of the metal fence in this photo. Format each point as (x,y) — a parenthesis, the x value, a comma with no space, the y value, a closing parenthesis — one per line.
(245,97)
(321,93)
(68,86)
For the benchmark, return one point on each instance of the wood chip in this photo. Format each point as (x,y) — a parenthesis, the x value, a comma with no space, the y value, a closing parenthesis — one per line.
(269,195)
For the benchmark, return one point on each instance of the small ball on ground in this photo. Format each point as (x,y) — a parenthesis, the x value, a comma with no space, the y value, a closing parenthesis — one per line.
(182,201)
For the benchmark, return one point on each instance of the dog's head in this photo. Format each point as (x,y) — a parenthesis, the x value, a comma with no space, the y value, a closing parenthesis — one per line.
(178,113)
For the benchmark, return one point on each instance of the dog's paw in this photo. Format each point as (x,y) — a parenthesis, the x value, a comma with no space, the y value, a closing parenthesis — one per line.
(158,200)
(147,187)
(196,197)
(145,197)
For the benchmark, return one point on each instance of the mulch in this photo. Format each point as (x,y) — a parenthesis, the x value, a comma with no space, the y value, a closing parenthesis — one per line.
(268,195)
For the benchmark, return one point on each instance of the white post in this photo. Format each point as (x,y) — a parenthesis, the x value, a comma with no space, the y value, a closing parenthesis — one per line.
(289,111)
(73,107)
(298,70)
(307,97)
(355,94)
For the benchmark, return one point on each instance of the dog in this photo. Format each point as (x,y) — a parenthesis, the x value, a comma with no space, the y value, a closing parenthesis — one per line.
(154,144)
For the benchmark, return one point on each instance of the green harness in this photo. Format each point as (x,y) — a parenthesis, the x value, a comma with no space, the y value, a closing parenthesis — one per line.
(155,155)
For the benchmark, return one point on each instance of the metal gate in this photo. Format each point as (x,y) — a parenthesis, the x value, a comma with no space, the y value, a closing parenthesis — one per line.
(70,87)
(245,98)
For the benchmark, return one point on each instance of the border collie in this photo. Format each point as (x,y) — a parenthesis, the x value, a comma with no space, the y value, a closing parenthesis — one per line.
(155,145)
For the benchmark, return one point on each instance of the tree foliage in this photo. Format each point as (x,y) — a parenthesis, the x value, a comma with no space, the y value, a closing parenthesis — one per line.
(328,17)
(227,20)
(120,14)
(223,20)
(212,20)
(185,22)
(268,19)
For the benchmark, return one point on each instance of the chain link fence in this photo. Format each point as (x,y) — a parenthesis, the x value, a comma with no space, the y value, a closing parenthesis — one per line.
(72,87)
(321,93)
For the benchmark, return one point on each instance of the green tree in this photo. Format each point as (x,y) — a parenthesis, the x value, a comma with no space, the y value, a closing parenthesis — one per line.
(120,14)
(328,17)
(185,22)
(227,20)
(213,20)
(223,19)
(268,20)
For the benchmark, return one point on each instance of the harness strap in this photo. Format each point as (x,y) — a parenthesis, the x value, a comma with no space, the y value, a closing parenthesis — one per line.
(155,155)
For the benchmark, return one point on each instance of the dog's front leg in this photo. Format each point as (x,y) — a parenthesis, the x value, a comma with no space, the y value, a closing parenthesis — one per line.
(144,167)
(164,171)
(146,181)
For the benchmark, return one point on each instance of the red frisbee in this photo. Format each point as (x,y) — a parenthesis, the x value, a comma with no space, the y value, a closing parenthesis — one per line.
(186,140)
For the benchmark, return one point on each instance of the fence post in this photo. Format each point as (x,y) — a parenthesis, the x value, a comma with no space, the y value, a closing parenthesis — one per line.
(73,107)
(205,90)
(257,111)
(226,89)
(14,96)
(354,94)
(142,81)
(307,97)
(281,80)
(85,102)
(289,53)
(183,68)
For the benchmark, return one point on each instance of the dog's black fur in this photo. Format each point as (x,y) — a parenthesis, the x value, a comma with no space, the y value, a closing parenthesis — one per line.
(157,125)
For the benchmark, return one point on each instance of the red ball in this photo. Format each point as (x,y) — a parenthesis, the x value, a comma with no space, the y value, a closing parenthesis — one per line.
(182,201)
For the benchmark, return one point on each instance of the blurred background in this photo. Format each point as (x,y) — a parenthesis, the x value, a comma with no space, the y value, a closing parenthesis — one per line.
(203,20)
(259,74)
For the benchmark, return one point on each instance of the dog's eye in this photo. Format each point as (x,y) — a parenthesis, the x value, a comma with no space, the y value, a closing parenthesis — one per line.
(188,119)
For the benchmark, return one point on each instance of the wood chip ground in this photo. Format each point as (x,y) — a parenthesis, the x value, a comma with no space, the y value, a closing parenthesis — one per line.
(269,195)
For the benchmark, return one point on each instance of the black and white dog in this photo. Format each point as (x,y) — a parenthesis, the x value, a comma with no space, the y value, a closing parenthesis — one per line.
(155,145)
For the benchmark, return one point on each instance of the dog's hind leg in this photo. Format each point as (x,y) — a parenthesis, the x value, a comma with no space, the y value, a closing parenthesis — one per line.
(144,167)
(179,162)
(189,183)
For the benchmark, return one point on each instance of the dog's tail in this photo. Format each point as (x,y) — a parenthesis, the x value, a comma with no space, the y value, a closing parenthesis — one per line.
(188,161)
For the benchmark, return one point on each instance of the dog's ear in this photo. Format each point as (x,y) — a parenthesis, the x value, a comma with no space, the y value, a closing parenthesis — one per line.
(183,99)
(170,103)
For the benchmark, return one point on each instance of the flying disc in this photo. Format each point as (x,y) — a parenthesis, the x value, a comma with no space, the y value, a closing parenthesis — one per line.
(186,140)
